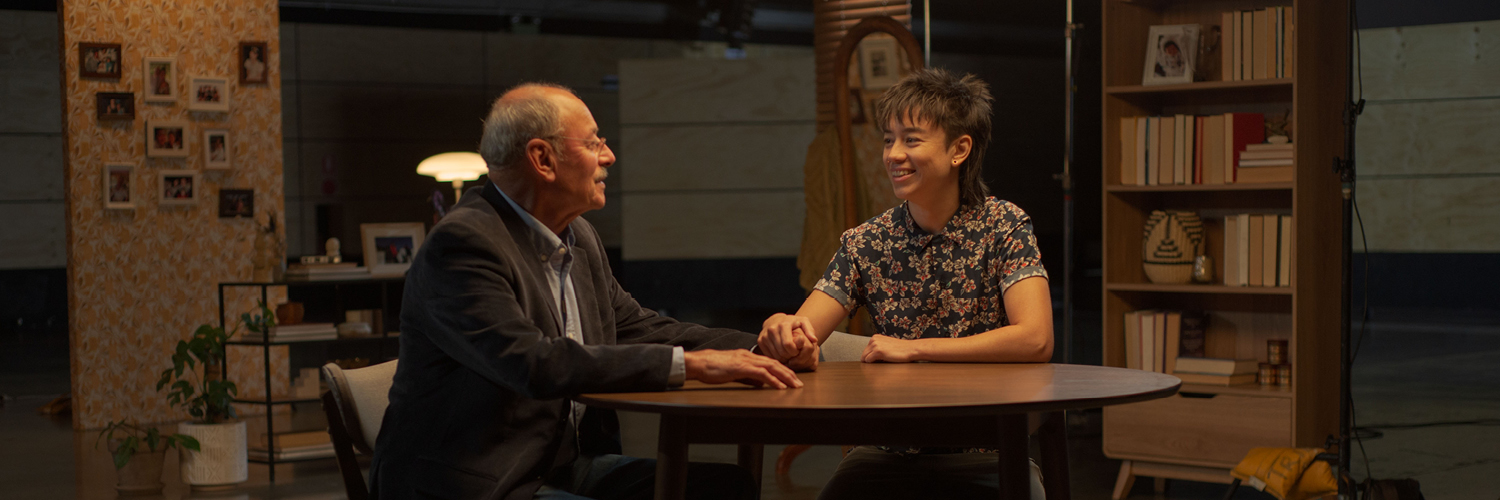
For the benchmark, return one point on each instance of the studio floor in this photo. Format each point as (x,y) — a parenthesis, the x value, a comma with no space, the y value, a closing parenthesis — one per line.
(1431,392)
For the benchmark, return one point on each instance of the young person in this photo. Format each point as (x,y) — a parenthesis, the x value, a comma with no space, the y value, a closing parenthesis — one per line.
(950,275)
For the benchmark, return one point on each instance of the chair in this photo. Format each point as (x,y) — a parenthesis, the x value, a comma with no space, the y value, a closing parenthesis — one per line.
(355,403)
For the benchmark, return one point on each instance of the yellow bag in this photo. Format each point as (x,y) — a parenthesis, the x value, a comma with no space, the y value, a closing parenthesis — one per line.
(1287,473)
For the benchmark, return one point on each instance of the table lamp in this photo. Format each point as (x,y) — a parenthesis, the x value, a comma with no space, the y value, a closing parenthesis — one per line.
(456,167)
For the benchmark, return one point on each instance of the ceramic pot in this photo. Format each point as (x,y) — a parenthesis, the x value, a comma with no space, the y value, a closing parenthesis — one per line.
(142,474)
(1173,238)
(222,459)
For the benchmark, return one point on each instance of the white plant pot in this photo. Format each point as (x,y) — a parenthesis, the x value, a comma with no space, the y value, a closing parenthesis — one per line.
(222,459)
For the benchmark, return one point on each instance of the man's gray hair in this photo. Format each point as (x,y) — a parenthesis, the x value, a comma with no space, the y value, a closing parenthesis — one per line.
(513,123)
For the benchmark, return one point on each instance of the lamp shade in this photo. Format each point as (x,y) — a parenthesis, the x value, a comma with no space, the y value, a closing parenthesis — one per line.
(453,166)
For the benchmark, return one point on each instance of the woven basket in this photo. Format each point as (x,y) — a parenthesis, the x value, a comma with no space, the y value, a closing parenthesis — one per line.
(1172,239)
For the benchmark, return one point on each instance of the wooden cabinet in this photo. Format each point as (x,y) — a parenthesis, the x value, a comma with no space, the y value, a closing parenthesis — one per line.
(1202,433)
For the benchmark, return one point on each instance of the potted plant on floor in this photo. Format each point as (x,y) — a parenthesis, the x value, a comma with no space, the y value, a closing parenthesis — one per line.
(196,385)
(138,453)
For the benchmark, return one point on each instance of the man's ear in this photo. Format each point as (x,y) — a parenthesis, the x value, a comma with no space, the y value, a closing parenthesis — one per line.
(961,147)
(540,159)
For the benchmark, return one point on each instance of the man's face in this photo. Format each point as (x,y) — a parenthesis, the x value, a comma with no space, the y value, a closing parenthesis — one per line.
(582,159)
(919,161)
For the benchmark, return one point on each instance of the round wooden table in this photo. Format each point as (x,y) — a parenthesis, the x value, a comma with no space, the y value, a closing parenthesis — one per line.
(924,404)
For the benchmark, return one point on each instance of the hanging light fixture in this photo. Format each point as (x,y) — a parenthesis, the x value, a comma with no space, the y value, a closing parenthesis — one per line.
(456,167)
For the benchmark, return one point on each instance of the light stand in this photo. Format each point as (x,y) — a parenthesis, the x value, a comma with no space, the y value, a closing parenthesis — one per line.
(1066,177)
(1345,168)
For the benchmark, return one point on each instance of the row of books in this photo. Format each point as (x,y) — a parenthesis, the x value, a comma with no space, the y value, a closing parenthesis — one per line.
(1258,44)
(293,445)
(1192,149)
(326,271)
(1174,342)
(1258,250)
(300,331)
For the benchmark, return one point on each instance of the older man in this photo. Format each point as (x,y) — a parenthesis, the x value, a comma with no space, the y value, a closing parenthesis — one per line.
(510,309)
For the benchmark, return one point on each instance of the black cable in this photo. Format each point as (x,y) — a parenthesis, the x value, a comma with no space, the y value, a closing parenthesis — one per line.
(1423,425)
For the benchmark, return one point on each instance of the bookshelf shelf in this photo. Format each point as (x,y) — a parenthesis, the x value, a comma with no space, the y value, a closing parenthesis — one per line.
(1271,391)
(1284,84)
(1267,186)
(283,400)
(1219,289)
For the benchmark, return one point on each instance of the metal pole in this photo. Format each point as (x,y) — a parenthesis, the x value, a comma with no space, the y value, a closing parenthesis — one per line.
(1066,177)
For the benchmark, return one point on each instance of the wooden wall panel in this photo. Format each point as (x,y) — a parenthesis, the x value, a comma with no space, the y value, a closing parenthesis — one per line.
(1434,61)
(716,157)
(340,53)
(1430,138)
(1430,214)
(712,225)
(747,90)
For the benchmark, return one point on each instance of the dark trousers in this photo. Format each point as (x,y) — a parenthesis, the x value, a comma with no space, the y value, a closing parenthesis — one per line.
(618,477)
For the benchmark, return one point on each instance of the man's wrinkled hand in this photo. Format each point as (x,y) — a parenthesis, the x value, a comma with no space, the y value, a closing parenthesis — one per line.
(739,365)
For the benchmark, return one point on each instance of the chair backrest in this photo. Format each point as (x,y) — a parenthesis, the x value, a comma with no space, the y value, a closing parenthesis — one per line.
(841,346)
(361,396)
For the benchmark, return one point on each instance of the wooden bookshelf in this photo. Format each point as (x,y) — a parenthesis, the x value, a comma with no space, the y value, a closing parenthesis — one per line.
(1205,430)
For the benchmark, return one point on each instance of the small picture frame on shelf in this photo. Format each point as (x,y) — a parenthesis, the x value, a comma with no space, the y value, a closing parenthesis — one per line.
(236,203)
(390,247)
(1171,54)
(160,79)
(179,187)
(114,105)
(879,63)
(166,139)
(252,63)
(119,185)
(216,153)
(99,60)
(208,93)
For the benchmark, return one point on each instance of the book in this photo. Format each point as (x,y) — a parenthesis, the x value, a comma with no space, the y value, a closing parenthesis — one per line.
(1264,154)
(1242,252)
(1159,343)
(1291,42)
(1127,150)
(1133,340)
(1244,31)
(1265,162)
(1216,366)
(1213,147)
(1225,380)
(322,451)
(1261,175)
(1272,249)
(1266,146)
(1193,340)
(1142,131)
(1227,49)
(1172,345)
(284,441)
(1167,150)
(1255,243)
(1153,148)
(1231,250)
(1240,130)
(1148,330)
(1198,125)
(1284,266)
(1180,148)
(1260,52)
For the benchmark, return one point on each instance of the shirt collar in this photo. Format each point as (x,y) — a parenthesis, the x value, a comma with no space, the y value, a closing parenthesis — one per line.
(547,242)
(953,230)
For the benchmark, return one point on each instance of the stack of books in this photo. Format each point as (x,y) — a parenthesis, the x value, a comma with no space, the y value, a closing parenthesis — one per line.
(326,272)
(301,331)
(1191,149)
(1258,250)
(293,445)
(1258,44)
(1154,340)
(1216,371)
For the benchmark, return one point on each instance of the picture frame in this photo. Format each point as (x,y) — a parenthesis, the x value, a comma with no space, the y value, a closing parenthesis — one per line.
(879,63)
(208,93)
(119,185)
(390,247)
(217,154)
(252,63)
(159,79)
(179,187)
(166,139)
(236,203)
(1171,54)
(114,105)
(100,60)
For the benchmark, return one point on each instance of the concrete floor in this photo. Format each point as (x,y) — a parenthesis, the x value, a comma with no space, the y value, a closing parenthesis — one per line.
(1434,393)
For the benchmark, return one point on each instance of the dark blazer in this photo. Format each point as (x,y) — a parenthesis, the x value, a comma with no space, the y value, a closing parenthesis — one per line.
(478,408)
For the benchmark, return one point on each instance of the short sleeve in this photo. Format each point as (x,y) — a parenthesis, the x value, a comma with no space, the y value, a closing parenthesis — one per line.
(840,280)
(1020,257)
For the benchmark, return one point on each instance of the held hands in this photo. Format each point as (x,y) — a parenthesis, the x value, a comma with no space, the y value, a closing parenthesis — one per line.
(791,340)
(889,349)
(739,365)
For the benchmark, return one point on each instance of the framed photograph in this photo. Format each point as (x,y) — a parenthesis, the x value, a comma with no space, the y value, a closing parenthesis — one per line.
(119,185)
(166,139)
(216,154)
(115,105)
(99,60)
(236,203)
(179,187)
(1171,54)
(160,79)
(252,63)
(879,67)
(208,93)
(390,248)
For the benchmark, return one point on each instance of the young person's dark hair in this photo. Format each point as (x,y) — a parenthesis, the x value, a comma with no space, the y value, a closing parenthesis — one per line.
(957,105)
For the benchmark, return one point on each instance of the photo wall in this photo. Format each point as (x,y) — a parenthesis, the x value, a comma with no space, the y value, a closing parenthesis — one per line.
(172,123)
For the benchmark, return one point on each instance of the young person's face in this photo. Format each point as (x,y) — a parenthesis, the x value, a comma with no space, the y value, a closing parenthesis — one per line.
(920,160)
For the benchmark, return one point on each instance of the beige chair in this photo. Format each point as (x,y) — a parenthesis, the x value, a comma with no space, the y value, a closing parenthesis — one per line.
(355,404)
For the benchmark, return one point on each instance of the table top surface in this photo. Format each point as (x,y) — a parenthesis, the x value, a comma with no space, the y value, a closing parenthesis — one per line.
(908,389)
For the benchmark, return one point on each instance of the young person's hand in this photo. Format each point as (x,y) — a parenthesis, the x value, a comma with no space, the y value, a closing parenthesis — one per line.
(805,361)
(889,349)
(785,337)
(738,365)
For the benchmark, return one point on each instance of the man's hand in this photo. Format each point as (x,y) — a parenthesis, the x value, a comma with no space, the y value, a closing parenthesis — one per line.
(739,365)
(785,337)
(889,349)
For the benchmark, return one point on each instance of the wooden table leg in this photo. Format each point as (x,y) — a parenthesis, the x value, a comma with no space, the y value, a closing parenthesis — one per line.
(1053,436)
(1015,468)
(671,458)
(751,457)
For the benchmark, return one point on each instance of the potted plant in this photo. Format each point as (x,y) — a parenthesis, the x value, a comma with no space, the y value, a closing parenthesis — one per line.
(138,454)
(196,385)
